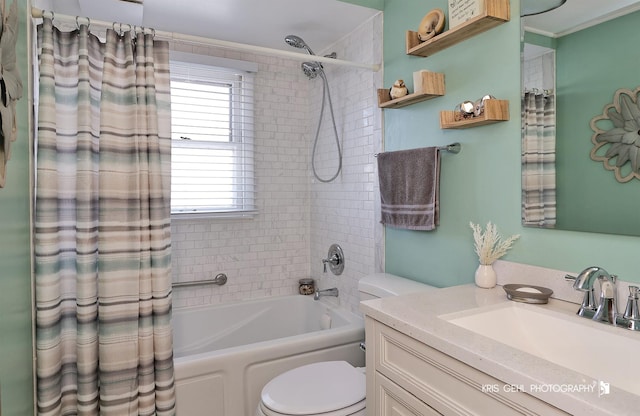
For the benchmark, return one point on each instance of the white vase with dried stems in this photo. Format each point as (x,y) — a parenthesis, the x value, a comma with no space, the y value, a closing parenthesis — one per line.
(489,246)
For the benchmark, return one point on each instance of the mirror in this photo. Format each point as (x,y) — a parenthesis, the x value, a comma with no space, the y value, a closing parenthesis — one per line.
(575,58)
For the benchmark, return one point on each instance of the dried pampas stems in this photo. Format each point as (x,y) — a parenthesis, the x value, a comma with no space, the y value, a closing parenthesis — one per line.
(490,246)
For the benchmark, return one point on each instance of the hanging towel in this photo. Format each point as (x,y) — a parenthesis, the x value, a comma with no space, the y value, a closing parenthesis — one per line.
(409,188)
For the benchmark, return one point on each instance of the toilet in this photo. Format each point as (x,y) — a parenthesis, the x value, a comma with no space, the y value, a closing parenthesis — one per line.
(330,388)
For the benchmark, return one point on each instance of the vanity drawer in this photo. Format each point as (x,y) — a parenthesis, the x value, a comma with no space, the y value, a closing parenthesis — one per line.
(444,383)
(394,401)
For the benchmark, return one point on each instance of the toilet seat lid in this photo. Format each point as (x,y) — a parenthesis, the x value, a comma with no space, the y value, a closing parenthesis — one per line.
(315,388)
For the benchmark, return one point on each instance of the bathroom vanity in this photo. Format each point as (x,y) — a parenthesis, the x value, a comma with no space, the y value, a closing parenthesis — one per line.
(435,353)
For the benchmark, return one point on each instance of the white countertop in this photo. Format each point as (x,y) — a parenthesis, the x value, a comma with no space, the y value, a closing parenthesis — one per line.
(416,315)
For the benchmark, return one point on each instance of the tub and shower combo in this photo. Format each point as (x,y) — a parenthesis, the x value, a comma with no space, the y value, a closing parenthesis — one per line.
(225,354)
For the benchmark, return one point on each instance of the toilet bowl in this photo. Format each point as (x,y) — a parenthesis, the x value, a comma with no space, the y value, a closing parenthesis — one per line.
(330,388)
(333,388)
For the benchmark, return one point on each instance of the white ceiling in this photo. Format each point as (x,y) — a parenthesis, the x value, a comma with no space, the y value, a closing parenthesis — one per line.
(256,22)
(575,15)
(319,22)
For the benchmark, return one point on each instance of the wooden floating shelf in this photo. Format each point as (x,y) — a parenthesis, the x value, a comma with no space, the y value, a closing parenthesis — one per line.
(496,12)
(494,111)
(432,87)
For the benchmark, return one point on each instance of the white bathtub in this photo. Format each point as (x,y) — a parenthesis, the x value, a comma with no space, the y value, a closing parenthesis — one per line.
(225,354)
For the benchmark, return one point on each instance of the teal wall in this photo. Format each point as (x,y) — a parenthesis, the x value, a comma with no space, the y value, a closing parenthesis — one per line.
(588,75)
(16,381)
(482,183)
(540,40)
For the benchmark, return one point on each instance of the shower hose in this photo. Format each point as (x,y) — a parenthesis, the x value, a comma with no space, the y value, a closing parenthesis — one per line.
(325,93)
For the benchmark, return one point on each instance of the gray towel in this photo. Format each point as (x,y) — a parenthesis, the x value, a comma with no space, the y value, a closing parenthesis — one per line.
(409,188)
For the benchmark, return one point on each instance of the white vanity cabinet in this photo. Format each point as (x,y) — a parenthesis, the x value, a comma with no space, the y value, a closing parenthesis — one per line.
(407,377)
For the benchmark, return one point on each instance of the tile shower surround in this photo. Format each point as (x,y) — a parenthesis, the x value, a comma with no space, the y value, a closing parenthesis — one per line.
(538,72)
(298,217)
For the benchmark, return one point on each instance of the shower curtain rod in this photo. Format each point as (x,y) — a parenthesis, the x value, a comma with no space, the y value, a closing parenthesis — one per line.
(199,40)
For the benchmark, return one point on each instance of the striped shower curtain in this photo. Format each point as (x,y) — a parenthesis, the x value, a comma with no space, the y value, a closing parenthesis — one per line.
(102,225)
(538,160)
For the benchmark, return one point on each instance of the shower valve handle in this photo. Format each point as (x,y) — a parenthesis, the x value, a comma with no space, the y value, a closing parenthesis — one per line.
(335,258)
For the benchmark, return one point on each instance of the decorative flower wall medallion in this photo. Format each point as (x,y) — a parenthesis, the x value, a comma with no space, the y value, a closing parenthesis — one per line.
(617,142)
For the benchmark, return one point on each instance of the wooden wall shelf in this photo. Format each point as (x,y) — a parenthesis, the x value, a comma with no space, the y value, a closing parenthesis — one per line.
(432,87)
(495,13)
(494,111)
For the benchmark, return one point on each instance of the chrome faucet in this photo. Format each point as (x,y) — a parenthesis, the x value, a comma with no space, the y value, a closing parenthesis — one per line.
(584,283)
(606,309)
(327,292)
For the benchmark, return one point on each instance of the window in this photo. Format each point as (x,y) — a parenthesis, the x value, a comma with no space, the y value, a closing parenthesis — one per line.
(212,137)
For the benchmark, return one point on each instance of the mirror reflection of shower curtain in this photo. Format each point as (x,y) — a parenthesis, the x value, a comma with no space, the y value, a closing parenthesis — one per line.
(538,159)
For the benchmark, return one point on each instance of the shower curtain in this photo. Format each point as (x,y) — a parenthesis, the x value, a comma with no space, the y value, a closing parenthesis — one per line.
(102,225)
(538,160)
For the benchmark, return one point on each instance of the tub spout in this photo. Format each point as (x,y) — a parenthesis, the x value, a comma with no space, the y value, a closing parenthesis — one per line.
(327,292)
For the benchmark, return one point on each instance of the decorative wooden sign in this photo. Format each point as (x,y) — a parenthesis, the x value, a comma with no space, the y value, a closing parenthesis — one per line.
(462,10)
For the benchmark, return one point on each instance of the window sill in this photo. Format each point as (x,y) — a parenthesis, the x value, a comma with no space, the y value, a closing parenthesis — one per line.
(177,216)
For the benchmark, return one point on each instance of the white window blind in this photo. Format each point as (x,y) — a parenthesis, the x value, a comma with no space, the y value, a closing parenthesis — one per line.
(212,140)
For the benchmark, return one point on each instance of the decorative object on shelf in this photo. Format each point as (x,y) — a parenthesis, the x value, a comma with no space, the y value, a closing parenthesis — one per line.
(432,24)
(398,89)
(430,85)
(469,109)
(492,13)
(493,111)
(462,10)
(464,110)
(10,84)
(622,136)
(419,78)
(306,286)
(478,105)
(489,246)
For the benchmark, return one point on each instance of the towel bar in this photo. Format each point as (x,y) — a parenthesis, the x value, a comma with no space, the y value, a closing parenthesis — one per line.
(451,148)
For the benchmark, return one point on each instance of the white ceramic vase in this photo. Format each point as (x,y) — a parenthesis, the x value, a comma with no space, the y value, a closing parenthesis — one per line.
(485,276)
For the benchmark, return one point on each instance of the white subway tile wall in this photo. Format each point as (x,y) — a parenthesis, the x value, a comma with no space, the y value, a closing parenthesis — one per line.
(538,72)
(344,211)
(298,218)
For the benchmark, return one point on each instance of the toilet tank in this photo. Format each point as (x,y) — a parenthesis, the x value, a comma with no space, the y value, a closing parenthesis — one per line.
(382,285)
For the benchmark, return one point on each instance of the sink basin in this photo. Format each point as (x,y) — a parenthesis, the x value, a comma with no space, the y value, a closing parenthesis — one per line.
(603,353)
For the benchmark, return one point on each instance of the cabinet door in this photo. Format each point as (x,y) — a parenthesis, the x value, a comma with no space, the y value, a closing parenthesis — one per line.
(394,401)
(444,383)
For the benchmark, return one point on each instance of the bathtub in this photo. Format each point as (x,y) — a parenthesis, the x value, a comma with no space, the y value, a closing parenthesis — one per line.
(225,354)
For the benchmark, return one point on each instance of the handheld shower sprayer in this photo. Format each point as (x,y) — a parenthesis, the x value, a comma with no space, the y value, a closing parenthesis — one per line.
(297,42)
(312,69)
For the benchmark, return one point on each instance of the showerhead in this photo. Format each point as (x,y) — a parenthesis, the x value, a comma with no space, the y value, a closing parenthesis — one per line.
(297,42)
(311,69)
